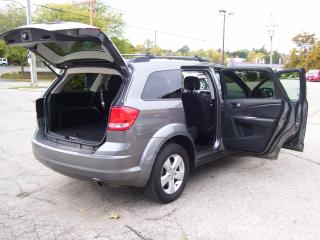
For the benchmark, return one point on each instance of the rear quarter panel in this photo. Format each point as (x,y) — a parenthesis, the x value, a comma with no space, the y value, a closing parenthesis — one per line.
(161,119)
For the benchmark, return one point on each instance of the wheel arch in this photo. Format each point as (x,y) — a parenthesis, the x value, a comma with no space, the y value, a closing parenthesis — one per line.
(175,132)
(188,145)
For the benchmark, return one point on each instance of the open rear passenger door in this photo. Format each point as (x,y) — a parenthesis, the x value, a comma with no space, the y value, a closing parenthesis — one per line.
(294,82)
(262,113)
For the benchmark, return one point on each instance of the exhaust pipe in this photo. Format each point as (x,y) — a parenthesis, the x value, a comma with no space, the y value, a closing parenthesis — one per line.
(98,181)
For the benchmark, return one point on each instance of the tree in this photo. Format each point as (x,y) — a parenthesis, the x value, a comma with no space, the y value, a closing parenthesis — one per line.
(2,48)
(304,41)
(254,56)
(123,45)
(16,55)
(313,60)
(148,44)
(243,53)
(275,57)
(183,51)
(306,52)
(214,55)
(13,16)
(104,17)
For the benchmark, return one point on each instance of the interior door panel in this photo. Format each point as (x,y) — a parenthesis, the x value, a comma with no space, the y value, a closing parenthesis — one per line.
(248,124)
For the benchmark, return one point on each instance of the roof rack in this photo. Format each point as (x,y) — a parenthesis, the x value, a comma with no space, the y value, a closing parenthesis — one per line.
(147,57)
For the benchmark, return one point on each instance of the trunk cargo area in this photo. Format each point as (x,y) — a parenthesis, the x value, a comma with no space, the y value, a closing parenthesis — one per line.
(78,111)
(91,132)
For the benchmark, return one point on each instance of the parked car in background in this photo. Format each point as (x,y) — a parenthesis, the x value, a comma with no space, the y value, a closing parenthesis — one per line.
(313,75)
(3,62)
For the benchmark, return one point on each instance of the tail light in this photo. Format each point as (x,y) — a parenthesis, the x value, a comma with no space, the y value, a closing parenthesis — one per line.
(122,118)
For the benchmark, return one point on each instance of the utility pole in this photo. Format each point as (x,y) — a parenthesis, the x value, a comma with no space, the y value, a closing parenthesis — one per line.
(271,35)
(223,36)
(91,11)
(155,42)
(225,14)
(33,62)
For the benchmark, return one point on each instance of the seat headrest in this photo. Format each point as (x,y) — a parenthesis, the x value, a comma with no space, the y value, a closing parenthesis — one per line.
(114,82)
(192,83)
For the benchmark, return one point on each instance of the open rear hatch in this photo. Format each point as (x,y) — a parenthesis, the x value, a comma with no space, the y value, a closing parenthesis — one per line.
(77,111)
(67,44)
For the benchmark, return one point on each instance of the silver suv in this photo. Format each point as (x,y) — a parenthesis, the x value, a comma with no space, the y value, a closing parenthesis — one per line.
(148,121)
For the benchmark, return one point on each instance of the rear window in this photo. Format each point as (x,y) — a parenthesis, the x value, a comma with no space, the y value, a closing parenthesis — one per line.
(79,82)
(163,85)
(68,47)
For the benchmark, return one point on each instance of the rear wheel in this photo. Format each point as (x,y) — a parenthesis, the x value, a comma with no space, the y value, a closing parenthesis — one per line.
(169,174)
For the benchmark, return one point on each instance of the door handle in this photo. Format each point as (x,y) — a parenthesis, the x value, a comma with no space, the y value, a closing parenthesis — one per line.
(235,105)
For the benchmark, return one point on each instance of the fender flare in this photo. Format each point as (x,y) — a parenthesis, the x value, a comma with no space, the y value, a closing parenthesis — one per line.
(162,136)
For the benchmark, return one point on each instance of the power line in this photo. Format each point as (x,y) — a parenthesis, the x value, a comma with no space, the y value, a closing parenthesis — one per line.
(60,10)
(114,8)
(129,25)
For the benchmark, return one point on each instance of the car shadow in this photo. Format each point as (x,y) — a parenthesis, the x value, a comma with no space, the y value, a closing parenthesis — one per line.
(132,196)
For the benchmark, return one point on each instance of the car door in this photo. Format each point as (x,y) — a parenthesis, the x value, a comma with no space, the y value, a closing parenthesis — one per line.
(294,82)
(259,117)
(67,44)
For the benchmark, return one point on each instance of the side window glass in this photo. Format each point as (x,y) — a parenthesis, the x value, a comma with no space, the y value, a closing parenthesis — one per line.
(233,90)
(204,81)
(249,84)
(80,82)
(163,85)
(291,83)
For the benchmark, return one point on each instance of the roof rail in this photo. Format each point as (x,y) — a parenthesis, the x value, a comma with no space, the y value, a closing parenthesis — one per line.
(148,57)
(134,55)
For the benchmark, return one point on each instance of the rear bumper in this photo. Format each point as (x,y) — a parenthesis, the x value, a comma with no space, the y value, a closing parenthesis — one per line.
(112,168)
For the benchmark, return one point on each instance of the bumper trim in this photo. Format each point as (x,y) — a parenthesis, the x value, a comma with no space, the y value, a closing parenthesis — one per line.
(114,169)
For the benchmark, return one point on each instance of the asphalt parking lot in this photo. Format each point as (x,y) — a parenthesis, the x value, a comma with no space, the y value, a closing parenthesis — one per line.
(233,198)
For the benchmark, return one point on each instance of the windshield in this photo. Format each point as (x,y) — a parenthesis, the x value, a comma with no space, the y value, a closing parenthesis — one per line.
(313,72)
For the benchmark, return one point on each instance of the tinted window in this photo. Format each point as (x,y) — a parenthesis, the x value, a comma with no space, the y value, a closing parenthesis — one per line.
(68,47)
(233,90)
(79,82)
(248,84)
(162,85)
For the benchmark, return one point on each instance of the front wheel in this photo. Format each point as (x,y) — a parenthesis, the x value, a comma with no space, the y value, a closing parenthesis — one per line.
(169,174)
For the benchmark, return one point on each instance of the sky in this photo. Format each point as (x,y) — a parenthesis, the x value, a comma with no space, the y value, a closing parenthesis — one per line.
(200,19)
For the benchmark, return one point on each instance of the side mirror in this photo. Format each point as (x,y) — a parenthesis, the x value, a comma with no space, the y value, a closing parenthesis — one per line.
(265,92)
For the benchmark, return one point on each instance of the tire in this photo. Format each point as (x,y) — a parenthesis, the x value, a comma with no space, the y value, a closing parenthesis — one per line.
(177,177)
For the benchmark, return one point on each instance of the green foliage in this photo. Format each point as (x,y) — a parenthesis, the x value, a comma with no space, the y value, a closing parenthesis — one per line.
(243,53)
(184,51)
(254,55)
(260,50)
(16,55)
(2,48)
(275,58)
(26,76)
(76,83)
(306,54)
(104,17)
(12,16)
(304,41)
(123,45)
